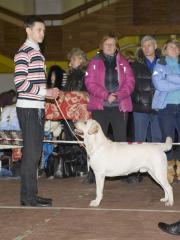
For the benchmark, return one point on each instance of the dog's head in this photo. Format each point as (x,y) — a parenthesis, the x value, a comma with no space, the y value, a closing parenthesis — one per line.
(88,127)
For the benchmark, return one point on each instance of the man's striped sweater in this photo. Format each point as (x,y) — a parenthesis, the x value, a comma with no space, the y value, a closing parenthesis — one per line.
(30,80)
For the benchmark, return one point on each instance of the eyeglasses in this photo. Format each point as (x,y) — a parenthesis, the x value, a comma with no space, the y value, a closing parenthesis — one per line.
(109,45)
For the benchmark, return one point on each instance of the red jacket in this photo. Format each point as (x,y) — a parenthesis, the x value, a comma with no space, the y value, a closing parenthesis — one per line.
(95,84)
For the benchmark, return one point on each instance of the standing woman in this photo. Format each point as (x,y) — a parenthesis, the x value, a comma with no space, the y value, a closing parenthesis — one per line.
(74,79)
(110,82)
(166,79)
(76,71)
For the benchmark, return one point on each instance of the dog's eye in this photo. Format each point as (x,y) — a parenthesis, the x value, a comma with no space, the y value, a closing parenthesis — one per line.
(85,122)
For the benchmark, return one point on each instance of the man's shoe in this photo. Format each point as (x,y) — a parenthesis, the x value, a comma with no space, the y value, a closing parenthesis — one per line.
(36,203)
(45,200)
(39,199)
(173,228)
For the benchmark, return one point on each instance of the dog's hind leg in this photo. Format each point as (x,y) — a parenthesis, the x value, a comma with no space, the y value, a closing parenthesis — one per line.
(168,199)
(161,179)
(168,194)
(99,190)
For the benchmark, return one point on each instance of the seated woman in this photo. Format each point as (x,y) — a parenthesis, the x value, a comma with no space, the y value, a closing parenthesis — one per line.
(8,98)
(55,77)
(76,72)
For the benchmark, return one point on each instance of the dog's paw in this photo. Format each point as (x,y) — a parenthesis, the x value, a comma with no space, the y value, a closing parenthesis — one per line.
(168,204)
(94,203)
(163,200)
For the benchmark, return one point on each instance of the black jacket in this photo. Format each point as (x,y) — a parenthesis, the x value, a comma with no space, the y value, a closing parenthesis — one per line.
(75,80)
(144,89)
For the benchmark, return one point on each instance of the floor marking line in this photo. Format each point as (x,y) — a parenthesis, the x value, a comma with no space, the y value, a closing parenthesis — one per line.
(91,209)
(34,228)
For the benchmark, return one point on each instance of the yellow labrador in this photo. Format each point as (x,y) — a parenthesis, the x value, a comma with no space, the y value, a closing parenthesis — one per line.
(111,159)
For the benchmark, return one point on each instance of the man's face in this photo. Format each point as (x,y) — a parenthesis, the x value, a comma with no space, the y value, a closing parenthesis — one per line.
(149,48)
(36,32)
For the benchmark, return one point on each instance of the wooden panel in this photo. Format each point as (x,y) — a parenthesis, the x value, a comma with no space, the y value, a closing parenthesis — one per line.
(150,12)
(124,18)
(13,37)
(174,11)
(53,43)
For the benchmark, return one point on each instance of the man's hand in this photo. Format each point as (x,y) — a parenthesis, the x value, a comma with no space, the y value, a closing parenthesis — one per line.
(52,93)
(112,97)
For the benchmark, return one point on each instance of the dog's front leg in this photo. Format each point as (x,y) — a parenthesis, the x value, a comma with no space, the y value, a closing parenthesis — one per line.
(99,190)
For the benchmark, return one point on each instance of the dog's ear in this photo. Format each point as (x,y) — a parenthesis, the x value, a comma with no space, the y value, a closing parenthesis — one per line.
(93,129)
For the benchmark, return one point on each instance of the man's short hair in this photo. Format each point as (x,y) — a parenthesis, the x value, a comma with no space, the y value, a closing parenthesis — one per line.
(30,21)
(147,38)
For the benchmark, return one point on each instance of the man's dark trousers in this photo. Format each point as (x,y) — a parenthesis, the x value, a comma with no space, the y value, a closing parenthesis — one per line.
(31,122)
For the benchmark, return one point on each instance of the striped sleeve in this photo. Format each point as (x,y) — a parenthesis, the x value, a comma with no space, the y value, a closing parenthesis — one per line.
(22,84)
(64,81)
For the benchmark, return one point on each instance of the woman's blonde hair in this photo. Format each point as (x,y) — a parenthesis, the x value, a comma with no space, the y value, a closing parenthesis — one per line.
(77,52)
(106,37)
(173,41)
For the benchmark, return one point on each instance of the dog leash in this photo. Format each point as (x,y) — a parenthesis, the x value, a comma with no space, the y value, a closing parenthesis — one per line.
(74,134)
(78,141)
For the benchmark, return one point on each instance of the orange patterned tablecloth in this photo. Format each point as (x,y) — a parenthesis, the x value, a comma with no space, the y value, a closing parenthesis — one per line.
(72,104)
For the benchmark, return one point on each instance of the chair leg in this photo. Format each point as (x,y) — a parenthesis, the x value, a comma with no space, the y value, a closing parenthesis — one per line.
(171,171)
(178,169)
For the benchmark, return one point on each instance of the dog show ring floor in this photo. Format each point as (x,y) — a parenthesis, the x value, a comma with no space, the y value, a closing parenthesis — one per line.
(127,211)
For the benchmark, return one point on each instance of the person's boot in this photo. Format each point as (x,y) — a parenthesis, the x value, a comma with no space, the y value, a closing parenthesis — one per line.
(134,178)
(178,170)
(173,228)
(171,171)
(90,178)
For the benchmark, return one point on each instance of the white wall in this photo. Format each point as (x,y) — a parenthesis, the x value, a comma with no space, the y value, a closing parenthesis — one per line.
(55,6)
(28,7)
(6,82)
(48,6)
(25,7)
(70,4)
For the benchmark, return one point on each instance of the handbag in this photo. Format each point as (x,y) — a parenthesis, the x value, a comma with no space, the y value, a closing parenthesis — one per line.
(59,166)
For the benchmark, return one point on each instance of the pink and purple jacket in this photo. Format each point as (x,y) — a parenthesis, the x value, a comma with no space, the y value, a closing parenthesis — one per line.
(95,84)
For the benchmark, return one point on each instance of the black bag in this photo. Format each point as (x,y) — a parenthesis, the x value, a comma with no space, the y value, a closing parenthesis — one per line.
(60,166)
(68,161)
(69,165)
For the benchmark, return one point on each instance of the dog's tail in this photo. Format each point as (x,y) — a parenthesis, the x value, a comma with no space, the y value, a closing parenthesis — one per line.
(167,145)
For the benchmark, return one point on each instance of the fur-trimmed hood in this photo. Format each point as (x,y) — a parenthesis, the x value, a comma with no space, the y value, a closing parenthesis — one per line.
(162,60)
(140,57)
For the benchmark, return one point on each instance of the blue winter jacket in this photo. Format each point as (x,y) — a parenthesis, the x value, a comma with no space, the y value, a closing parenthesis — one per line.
(164,82)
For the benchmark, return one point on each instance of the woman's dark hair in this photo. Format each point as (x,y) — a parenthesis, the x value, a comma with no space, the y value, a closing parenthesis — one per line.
(8,98)
(58,76)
